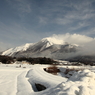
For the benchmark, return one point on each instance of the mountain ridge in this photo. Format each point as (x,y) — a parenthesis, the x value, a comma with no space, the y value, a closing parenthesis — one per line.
(47,47)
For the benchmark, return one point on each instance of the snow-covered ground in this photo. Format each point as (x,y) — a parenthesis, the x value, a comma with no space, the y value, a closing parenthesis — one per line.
(16,79)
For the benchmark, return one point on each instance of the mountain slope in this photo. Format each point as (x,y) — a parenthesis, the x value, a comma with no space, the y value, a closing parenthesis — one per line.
(47,47)
(11,51)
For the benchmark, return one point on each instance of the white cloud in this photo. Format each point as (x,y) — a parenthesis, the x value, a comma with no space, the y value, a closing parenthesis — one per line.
(74,38)
(87,43)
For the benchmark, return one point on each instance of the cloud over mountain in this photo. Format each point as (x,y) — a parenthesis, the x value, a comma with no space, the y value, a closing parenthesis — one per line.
(87,43)
(74,38)
(56,46)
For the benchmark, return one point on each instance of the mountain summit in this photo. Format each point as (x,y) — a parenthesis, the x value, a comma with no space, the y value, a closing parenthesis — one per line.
(47,47)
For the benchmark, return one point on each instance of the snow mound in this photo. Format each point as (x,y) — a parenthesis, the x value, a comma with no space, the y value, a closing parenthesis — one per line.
(81,83)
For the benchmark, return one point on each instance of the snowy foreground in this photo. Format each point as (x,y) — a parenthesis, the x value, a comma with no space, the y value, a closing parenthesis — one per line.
(16,80)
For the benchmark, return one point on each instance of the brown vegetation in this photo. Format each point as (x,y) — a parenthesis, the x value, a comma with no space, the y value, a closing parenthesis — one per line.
(53,69)
(69,70)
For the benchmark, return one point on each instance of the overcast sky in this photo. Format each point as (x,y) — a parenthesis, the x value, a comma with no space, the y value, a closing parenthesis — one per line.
(28,21)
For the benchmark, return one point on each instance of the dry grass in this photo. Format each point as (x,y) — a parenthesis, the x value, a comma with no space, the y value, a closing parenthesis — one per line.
(53,69)
(72,69)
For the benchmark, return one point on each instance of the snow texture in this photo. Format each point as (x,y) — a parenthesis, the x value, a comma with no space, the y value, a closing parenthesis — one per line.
(17,79)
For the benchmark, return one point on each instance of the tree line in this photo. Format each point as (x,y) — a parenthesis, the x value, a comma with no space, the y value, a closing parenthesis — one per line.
(39,60)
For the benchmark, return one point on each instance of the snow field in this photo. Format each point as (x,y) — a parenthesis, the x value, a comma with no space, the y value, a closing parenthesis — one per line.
(15,80)
(8,81)
(23,86)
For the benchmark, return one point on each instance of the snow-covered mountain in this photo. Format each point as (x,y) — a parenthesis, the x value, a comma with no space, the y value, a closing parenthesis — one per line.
(47,47)
(22,48)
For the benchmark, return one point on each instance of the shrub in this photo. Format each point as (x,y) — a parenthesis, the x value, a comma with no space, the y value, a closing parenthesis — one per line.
(70,71)
(52,69)
(6,59)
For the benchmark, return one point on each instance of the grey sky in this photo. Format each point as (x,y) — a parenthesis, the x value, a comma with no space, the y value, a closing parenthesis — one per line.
(28,21)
